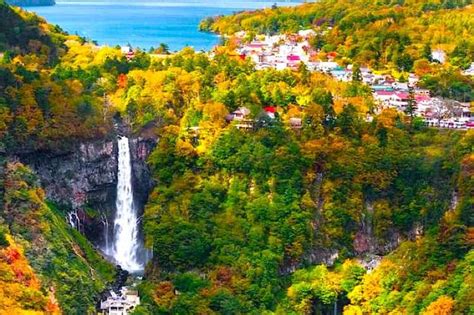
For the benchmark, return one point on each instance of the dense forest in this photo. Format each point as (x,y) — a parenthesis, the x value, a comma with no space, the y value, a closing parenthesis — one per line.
(337,212)
(46,266)
(248,208)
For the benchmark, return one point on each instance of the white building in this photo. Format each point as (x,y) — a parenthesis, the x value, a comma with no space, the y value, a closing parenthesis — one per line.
(307,33)
(126,49)
(469,71)
(438,55)
(121,304)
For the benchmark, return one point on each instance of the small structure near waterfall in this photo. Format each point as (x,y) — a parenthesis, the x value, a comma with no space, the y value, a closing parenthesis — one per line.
(120,304)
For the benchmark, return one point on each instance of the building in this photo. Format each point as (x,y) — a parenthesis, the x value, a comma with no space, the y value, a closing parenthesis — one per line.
(470,70)
(120,304)
(270,111)
(240,113)
(295,123)
(307,33)
(438,55)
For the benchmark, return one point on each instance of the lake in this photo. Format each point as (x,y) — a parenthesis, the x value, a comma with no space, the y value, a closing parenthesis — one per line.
(143,24)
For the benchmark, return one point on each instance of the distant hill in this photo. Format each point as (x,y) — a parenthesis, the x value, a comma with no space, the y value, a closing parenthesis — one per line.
(24,32)
(29,3)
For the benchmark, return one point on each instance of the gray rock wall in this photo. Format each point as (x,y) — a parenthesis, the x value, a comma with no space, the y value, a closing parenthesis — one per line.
(84,179)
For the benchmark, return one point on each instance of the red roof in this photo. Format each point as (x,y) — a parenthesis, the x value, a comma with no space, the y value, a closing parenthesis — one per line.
(270,109)
(293,58)
(385,93)
(421,98)
(403,96)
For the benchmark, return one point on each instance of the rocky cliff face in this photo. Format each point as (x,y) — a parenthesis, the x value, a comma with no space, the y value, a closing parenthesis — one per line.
(84,179)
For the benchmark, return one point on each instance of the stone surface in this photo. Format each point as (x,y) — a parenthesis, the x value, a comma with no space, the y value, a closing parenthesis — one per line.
(83,179)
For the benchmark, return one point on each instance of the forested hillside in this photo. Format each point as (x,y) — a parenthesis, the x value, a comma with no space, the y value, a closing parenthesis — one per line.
(247,208)
(282,210)
(25,32)
(46,265)
(68,269)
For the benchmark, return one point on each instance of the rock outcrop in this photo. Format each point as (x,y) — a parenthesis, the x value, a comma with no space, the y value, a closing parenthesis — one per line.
(83,179)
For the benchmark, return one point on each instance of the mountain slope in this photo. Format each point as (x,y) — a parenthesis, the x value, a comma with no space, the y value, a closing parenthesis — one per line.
(257,215)
(64,261)
(24,32)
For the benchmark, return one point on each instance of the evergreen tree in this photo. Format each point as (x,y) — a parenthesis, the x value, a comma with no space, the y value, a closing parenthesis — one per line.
(411,104)
(427,52)
(356,73)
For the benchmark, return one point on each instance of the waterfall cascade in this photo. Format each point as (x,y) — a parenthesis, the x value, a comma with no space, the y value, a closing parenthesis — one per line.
(126,246)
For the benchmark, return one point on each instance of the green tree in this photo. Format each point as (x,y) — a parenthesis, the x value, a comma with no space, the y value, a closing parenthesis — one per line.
(410,109)
(180,245)
(356,73)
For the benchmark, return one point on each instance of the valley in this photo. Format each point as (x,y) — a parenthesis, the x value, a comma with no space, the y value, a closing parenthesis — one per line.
(222,182)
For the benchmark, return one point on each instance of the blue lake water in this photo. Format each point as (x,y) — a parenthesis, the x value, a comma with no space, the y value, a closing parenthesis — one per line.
(143,24)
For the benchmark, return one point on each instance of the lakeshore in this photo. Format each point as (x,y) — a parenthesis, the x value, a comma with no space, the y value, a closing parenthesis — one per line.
(144,24)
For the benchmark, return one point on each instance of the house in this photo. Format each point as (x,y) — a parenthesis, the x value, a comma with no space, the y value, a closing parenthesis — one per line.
(400,86)
(412,79)
(424,92)
(295,123)
(270,111)
(383,96)
(400,100)
(307,33)
(120,304)
(342,74)
(240,116)
(126,49)
(438,55)
(470,70)
(256,46)
(293,58)
(376,88)
(368,78)
(325,66)
(240,113)
(130,56)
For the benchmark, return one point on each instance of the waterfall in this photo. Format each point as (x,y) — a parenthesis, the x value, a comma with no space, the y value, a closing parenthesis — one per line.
(126,241)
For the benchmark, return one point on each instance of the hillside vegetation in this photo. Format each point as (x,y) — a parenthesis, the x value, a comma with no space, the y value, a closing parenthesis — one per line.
(257,216)
(46,266)
(66,266)
(246,208)
(42,104)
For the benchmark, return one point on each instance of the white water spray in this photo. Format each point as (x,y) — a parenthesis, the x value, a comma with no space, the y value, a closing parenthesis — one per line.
(126,243)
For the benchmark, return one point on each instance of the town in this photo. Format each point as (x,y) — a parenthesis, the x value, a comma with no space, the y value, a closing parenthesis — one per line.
(290,51)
